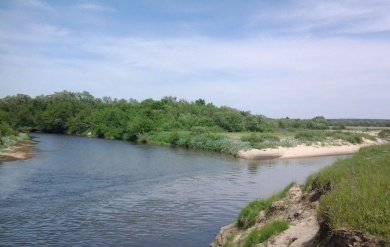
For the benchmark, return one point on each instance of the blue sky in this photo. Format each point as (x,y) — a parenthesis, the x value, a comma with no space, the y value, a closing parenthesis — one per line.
(277,58)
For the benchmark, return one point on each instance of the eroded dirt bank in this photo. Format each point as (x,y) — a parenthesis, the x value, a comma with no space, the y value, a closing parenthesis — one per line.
(300,210)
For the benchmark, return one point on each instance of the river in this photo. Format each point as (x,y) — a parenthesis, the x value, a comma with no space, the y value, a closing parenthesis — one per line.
(91,192)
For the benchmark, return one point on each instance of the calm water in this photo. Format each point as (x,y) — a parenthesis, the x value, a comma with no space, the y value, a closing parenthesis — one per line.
(82,192)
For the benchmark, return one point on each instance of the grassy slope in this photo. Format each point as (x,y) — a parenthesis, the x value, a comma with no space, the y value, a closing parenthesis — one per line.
(356,193)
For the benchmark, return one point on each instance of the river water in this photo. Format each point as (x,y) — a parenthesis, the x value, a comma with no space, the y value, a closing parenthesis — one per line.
(90,192)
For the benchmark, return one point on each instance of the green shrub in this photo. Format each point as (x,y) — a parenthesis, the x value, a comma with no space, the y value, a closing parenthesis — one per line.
(384,134)
(254,138)
(261,235)
(310,136)
(194,140)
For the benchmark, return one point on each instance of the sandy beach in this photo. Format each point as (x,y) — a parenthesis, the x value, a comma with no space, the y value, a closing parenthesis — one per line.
(302,151)
(20,151)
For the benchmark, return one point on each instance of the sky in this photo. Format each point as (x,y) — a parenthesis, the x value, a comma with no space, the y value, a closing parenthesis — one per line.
(277,58)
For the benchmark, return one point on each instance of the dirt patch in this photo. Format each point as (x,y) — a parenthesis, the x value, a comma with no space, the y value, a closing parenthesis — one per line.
(21,151)
(343,237)
(296,208)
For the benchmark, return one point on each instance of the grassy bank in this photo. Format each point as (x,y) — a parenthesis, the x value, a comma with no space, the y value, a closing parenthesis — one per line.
(11,140)
(354,203)
(231,143)
(356,193)
(248,214)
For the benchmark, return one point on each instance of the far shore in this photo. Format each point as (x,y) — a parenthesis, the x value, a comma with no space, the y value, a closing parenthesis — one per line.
(21,151)
(303,151)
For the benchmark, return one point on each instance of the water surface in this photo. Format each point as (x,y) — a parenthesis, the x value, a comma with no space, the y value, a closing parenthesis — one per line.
(90,192)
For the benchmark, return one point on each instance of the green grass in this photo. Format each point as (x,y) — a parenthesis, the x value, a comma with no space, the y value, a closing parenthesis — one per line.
(207,141)
(232,143)
(311,136)
(266,140)
(248,214)
(356,193)
(261,235)
(11,140)
(384,134)
(229,240)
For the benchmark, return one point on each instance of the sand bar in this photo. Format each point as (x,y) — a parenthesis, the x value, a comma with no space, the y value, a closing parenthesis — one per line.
(21,151)
(302,151)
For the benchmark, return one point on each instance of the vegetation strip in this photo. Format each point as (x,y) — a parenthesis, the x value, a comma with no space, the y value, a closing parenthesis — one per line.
(355,193)
(169,121)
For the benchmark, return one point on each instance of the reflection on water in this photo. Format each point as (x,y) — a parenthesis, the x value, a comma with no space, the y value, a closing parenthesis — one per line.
(80,191)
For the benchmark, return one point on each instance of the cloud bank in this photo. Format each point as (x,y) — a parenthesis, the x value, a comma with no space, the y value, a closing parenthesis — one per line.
(318,59)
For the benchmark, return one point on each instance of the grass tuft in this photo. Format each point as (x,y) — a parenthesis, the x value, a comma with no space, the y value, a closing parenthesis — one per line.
(261,235)
(248,214)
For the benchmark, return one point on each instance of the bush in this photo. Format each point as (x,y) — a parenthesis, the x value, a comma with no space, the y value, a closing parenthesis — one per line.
(384,134)
(310,136)
(254,138)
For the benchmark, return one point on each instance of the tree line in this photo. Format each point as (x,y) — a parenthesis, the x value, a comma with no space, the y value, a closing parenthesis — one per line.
(80,113)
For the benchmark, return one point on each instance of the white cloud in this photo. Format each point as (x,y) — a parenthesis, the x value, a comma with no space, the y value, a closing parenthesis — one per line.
(252,74)
(331,17)
(34,4)
(336,77)
(94,7)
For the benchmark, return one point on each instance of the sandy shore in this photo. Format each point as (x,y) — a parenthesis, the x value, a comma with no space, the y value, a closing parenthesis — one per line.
(302,151)
(21,151)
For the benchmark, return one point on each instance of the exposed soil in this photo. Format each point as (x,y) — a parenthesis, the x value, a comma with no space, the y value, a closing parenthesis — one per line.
(21,151)
(300,210)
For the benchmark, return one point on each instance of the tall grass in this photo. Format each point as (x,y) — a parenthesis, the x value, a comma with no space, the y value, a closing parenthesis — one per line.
(356,193)
(310,136)
(266,140)
(11,140)
(261,235)
(195,140)
(248,214)
(384,134)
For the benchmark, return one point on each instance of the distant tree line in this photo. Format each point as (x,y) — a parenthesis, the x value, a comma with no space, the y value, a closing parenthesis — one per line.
(82,114)
(360,122)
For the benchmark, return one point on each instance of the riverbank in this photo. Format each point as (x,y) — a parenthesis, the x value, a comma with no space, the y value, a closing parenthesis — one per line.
(302,151)
(320,213)
(21,151)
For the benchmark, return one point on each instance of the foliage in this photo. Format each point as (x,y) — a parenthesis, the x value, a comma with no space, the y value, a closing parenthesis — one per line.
(196,140)
(266,140)
(384,134)
(362,181)
(5,129)
(248,214)
(318,122)
(261,235)
(80,113)
(10,140)
(311,136)
(171,121)
(360,122)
